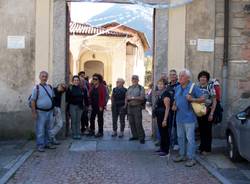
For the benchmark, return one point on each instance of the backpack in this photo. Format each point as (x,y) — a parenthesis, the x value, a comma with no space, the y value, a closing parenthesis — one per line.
(145,99)
(37,95)
(218,113)
(106,95)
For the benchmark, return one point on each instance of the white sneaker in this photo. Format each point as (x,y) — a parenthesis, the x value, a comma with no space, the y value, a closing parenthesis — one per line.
(176,148)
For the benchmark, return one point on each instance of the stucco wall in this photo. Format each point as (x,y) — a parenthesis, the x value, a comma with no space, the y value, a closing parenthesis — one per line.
(111,51)
(17,69)
(161,43)
(238,85)
(200,24)
(205,19)
(176,35)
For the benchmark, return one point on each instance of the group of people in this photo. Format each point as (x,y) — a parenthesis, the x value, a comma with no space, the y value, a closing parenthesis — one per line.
(85,101)
(172,109)
(174,113)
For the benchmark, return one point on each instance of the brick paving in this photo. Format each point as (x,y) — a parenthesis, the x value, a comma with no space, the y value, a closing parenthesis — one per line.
(104,165)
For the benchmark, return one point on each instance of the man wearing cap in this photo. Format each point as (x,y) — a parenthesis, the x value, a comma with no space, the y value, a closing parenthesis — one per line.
(135,98)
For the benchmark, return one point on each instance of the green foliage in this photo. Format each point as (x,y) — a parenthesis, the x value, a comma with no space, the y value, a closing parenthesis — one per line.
(148,78)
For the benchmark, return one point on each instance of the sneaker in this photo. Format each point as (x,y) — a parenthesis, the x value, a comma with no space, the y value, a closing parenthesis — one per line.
(163,154)
(40,149)
(179,159)
(158,151)
(204,153)
(114,134)
(121,135)
(190,163)
(99,135)
(176,147)
(78,137)
(50,146)
(91,134)
(86,132)
(133,139)
(142,141)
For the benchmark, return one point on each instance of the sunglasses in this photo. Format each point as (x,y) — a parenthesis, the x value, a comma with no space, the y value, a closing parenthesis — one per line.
(95,79)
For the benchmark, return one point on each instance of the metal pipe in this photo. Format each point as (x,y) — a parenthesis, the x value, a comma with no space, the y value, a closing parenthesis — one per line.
(225,53)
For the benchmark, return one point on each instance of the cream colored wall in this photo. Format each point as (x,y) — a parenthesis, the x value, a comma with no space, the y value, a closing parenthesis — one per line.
(44,37)
(114,60)
(139,67)
(176,41)
(115,65)
(105,58)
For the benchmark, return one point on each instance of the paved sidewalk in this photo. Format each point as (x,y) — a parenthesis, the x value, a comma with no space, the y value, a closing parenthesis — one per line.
(12,155)
(107,161)
(221,166)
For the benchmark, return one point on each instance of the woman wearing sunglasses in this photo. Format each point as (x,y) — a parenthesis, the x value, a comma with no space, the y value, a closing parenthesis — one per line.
(97,102)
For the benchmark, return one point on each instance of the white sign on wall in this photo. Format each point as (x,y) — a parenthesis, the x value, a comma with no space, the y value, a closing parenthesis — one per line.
(205,45)
(16,42)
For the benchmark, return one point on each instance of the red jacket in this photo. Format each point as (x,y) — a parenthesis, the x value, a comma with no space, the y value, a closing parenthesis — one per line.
(101,93)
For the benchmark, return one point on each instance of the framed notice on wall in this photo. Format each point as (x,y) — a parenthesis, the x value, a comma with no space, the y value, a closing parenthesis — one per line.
(205,45)
(16,42)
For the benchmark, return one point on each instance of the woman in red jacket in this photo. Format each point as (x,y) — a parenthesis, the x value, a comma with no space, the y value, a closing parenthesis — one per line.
(97,101)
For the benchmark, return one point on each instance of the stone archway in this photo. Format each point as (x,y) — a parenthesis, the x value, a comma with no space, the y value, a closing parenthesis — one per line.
(93,66)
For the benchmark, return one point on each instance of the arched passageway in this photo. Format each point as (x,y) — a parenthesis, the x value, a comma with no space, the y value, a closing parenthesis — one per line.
(92,66)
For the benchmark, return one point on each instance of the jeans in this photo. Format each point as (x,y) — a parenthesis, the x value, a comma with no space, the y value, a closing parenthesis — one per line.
(118,111)
(57,122)
(186,131)
(44,123)
(75,113)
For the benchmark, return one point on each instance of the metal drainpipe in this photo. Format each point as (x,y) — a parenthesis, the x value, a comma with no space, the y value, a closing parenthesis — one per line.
(225,54)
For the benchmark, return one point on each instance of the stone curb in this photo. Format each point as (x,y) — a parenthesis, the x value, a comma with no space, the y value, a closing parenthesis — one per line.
(16,166)
(213,171)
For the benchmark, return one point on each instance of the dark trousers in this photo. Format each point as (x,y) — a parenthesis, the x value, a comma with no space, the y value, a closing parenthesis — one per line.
(84,120)
(96,112)
(118,111)
(164,133)
(205,128)
(135,121)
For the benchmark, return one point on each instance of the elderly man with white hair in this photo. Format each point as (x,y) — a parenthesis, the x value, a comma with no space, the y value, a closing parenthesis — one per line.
(185,117)
(118,107)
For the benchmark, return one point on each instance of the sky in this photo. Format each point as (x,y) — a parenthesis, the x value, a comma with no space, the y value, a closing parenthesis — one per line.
(83,11)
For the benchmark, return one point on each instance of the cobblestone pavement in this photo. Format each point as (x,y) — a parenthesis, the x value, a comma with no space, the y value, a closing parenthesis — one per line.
(92,161)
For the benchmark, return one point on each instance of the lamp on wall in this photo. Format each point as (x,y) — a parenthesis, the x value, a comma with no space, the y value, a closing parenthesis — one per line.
(93,56)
